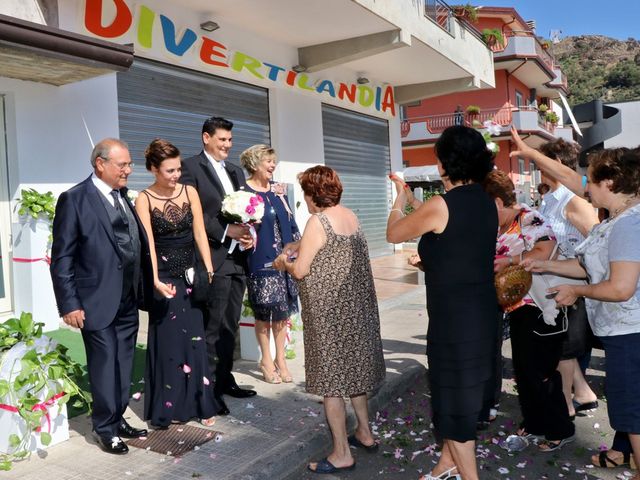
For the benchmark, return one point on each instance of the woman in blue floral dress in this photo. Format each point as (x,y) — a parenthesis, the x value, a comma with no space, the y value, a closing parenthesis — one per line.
(273,295)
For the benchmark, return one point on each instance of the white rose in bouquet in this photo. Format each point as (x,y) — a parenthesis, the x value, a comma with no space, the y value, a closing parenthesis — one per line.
(243,207)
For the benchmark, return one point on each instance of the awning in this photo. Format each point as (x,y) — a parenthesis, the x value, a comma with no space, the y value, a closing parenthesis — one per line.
(425,173)
(39,53)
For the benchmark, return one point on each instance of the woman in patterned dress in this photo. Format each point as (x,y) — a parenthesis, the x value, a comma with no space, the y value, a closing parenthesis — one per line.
(273,295)
(342,345)
(177,385)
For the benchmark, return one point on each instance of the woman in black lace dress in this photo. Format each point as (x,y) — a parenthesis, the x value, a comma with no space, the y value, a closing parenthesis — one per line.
(178,383)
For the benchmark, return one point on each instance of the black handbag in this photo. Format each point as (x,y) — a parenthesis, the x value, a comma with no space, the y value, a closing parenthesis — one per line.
(198,279)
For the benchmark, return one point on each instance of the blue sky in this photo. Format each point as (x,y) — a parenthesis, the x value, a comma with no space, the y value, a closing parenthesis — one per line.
(613,18)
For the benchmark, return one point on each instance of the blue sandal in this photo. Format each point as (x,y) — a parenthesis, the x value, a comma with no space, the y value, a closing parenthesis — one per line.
(325,466)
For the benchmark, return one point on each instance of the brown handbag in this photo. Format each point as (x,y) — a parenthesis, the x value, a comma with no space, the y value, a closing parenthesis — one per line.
(512,284)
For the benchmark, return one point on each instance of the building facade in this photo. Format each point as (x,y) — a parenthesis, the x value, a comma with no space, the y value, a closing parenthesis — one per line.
(320,81)
(528,88)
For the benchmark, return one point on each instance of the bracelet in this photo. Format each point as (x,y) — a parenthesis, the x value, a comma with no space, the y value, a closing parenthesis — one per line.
(396,210)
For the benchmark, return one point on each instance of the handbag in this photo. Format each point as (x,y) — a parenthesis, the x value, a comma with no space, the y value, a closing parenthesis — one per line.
(545,301)
(198,279)
(512,284)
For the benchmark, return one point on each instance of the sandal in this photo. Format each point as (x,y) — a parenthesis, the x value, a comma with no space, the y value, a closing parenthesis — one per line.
(285,378)
(354,442)
(325,466)
(605,461)
(552,445)
(270,377)
(446,475)
(208,422)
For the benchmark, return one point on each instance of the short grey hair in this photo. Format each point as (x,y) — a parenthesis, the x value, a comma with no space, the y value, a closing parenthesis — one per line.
(103,148)
(252,156)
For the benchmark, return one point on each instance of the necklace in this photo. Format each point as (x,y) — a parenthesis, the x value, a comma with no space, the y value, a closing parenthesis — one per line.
(629,202)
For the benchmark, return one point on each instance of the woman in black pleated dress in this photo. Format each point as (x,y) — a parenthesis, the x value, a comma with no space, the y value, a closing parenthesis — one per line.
(178,383)
(457,249)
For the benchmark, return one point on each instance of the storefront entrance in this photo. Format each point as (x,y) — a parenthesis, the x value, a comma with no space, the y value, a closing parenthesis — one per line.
(159,100)
(5,220)
(357,147)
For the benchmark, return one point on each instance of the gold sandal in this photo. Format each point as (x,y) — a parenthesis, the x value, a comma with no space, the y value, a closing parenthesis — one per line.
(270,377)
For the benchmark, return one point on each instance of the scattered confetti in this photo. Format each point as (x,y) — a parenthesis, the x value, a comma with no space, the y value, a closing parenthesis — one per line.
(136,396)
(186,368)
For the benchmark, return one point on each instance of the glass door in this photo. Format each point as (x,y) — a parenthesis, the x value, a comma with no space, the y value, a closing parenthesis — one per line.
(5,220)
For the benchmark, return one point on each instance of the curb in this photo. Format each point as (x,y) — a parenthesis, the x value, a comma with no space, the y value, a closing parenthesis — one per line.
(296,452)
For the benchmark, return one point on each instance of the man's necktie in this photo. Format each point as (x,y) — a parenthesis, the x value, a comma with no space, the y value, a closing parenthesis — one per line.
(118,206)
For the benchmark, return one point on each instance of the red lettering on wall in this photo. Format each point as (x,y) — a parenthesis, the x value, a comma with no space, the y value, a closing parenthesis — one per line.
(388,103)
(347,90)
(208,52)
(93,19)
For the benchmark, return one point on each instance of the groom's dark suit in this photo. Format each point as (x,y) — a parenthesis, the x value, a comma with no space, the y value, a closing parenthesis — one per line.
(223,315)
(100,264)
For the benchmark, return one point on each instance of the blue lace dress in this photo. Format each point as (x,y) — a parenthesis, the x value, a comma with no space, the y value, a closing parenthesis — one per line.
(178,383)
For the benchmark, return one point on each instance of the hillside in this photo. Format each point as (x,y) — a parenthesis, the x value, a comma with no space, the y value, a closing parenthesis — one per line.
(600,67)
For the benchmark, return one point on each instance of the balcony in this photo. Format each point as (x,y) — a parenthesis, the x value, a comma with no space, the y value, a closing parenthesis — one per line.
(525,119)
(560,80)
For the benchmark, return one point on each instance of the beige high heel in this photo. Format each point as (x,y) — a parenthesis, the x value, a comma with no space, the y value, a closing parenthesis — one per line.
(285,378)
(270,377)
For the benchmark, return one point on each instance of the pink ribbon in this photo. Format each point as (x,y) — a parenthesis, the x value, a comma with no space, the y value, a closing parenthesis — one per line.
(42,407)
(46,259)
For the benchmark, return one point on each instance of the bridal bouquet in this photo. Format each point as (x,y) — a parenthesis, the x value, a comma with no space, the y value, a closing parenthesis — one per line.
(243,207)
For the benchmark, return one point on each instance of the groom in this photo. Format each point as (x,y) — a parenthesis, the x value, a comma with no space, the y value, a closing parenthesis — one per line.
(101,272)
(214,177)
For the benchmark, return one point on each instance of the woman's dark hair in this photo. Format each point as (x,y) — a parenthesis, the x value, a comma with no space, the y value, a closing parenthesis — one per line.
(322,184)
(566,152)
(464,155)
(498,185)
(158,151)
(620,165)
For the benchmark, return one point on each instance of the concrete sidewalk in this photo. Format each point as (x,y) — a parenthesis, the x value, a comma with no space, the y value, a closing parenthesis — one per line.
(270,435)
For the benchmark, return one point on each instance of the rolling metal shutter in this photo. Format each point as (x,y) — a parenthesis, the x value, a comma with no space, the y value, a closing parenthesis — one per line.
(159,100)
(357,147)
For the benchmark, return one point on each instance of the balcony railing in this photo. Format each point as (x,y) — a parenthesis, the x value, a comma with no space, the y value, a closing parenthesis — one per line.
(540,51)
(526,118)
(440,13)
(438,123)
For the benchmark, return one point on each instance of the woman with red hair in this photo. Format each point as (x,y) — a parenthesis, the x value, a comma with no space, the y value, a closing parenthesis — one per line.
(342,345)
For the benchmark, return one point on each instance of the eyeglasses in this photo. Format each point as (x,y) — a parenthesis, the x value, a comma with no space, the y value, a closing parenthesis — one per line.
(122,166)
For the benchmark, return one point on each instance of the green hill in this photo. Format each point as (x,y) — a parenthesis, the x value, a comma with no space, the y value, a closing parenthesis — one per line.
(600,67)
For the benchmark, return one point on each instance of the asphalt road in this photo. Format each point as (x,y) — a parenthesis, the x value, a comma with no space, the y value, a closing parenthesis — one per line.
(408,447)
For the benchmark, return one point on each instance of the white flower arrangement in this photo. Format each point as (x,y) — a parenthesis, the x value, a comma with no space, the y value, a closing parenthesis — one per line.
(491,128)
(243,207)
(132,195)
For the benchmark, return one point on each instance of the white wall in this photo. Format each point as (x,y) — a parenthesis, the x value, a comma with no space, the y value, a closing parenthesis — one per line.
(296,134)
(630,135)
(48,149)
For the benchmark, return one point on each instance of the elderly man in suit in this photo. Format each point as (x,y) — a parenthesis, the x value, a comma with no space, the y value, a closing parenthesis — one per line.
(101,271)
(214,177)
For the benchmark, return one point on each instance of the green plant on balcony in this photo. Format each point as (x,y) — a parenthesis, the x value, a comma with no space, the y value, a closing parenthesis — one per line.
(543,108)
(473,110)
(546,44)
(552,118)
(467,11)
(492,36)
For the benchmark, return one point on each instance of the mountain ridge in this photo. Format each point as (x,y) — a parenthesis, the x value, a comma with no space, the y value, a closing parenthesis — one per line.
(597,66)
